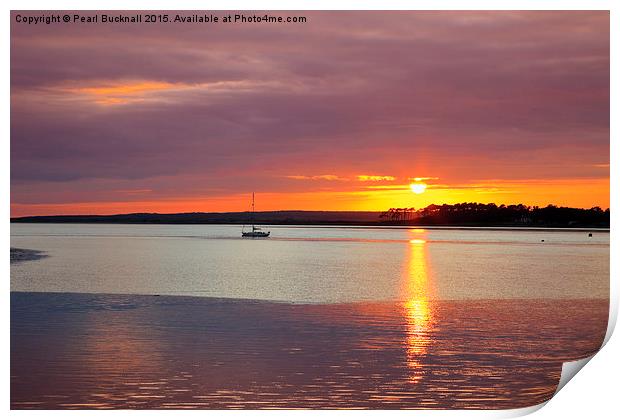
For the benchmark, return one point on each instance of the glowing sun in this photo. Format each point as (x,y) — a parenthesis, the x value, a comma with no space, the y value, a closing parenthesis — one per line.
(418,187)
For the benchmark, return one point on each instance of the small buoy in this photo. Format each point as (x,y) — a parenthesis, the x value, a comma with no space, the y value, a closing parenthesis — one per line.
(542,240)
(589,235)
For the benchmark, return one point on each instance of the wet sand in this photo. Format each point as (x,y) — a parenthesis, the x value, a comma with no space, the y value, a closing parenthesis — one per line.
(131,351)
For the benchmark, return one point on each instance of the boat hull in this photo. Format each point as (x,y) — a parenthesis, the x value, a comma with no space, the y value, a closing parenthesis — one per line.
(255,234)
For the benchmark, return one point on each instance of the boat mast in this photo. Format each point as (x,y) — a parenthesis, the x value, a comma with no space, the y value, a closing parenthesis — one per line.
(252,210)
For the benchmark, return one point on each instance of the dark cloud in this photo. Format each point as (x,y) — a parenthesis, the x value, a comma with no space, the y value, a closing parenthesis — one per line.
(356,91)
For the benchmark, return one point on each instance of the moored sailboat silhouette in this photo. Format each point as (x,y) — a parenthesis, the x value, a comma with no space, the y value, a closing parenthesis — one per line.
(256,231)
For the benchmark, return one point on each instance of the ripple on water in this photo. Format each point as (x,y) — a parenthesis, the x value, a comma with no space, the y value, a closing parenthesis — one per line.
(84,351)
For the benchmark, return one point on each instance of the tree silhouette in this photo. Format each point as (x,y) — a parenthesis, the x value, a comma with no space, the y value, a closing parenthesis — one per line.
(491,214)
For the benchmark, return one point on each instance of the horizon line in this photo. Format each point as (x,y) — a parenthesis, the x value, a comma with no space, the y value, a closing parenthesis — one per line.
(301,210)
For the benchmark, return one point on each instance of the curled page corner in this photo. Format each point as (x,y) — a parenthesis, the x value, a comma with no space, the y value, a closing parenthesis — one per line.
(570,369)
(613,314)
(520,412)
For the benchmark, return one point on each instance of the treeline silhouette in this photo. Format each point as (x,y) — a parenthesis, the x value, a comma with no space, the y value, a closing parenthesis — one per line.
(491,214)
(462,214)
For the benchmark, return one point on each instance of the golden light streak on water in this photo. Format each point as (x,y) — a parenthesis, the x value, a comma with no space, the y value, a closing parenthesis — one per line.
(417,312)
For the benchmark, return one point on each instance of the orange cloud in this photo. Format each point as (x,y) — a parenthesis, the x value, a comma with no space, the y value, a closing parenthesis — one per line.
(123,92)
(132,91)
(317,177)
(366,178)
(126,89)
(424,178)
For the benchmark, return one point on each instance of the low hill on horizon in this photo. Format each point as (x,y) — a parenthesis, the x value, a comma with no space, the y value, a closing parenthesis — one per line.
(462,214)
(280,216)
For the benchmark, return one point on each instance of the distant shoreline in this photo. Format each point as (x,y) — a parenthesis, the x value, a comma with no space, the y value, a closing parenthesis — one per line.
(467,215)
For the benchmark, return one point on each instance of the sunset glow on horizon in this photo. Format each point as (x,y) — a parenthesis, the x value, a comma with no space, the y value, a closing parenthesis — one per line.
(395,109)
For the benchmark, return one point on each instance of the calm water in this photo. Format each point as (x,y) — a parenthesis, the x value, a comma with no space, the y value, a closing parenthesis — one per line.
(312,317)
(317,265)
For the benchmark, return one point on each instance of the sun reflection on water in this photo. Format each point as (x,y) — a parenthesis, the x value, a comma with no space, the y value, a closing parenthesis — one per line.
(417,309)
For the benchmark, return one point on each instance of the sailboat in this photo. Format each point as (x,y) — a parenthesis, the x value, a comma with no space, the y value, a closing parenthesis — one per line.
(256,232)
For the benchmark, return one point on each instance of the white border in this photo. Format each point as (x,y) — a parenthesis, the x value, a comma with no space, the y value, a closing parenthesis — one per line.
(593,394)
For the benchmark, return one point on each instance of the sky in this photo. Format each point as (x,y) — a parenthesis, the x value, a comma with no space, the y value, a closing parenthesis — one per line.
(343,112)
